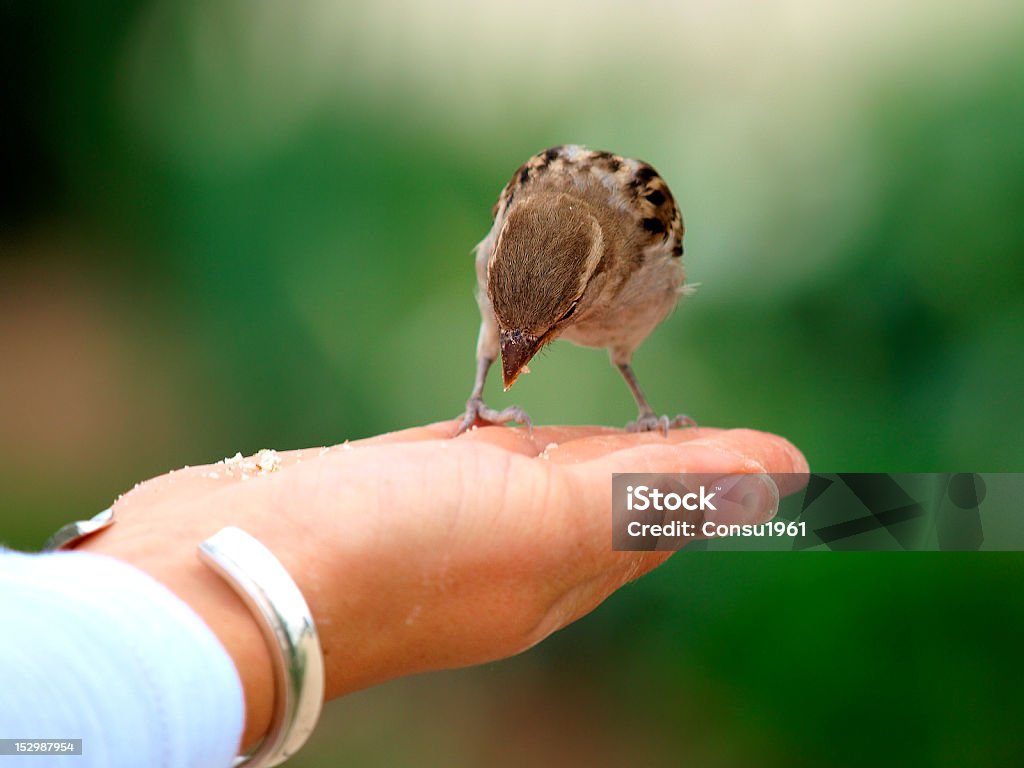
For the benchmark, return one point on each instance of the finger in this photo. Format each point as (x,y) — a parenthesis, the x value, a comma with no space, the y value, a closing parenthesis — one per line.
(590,482)
(583,446)
(740,449)
(779,457)
(565,433)
(519,439)
(531,443)
(602,444)
(665,458)
(496,434)
(535,442)
(712,455)
(744,498)
(560,436)
(776,454)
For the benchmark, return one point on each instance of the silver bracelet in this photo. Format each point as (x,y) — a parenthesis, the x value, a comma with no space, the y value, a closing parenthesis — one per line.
(67,536)
(287,625)
(284,618)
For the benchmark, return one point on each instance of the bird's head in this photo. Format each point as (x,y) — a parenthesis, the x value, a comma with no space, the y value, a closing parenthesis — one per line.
(548,249)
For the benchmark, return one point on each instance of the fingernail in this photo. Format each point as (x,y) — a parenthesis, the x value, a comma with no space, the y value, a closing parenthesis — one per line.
(744,498)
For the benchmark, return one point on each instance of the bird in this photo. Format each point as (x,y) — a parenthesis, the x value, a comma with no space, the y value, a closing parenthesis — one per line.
(586,246)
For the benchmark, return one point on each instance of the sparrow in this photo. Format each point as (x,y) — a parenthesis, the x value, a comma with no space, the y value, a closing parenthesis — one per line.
(585,246)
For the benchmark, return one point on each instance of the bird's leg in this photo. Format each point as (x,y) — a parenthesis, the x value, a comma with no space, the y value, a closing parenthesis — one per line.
(648,420)
(476,409)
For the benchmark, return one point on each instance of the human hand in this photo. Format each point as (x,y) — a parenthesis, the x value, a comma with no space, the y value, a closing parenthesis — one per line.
(416,551)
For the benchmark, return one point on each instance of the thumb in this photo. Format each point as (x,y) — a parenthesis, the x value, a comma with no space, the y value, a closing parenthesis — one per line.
(743,499)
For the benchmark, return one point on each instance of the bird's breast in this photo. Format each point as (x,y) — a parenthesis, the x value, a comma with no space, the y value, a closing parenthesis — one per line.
(625,317)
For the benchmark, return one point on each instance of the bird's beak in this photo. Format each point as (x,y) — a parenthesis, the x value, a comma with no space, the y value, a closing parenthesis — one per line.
(517,347)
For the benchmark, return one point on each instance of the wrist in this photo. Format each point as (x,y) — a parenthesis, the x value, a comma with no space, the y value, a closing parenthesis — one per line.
(172,560)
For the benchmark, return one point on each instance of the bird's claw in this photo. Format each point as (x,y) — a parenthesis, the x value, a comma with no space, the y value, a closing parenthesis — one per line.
(476,409)
(649,422)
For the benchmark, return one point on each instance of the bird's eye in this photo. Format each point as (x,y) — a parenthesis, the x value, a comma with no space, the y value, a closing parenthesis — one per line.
(569,312)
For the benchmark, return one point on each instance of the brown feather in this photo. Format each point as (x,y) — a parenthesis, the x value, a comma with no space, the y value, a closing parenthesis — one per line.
(538,268)
(640,184)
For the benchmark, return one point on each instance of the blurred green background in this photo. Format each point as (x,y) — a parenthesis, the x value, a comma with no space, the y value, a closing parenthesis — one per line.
(236,224)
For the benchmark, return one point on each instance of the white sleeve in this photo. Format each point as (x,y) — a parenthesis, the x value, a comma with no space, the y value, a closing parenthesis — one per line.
(94,649)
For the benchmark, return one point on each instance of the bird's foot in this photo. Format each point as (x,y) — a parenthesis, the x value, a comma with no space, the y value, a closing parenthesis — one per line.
(649,422)
(477,410)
